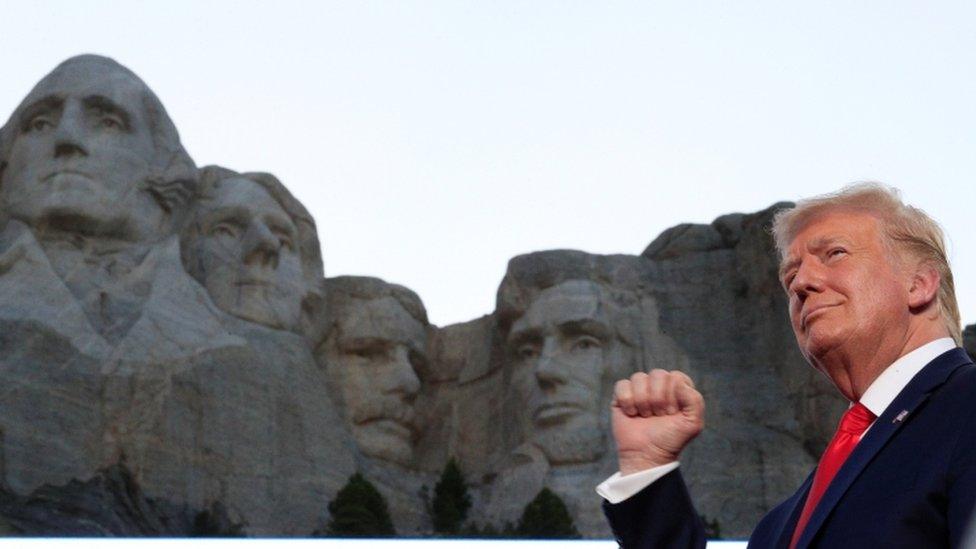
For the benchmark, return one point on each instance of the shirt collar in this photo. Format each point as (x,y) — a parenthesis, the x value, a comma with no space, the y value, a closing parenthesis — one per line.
(895,377)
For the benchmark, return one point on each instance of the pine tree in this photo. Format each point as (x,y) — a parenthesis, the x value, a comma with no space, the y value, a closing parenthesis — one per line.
(713,530)
(546,517)
(451,501)
(359,510)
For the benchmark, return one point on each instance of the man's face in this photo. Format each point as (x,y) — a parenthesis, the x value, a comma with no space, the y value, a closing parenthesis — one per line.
(376,351)
(81,152)
(247,254)
(560,348)
(846,291)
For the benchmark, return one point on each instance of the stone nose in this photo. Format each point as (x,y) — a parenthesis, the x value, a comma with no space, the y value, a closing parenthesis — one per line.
(403,379)
(69,135)
(549,371)
(261,246)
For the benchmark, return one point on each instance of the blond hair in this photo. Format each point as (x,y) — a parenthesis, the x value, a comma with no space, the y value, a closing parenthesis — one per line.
(908,231)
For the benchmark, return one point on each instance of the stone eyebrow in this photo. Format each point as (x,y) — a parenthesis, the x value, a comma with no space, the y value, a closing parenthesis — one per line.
(104,104)
(586,326)
(42,105)
(236,214)
(282,223)
(524,335)
(361,342)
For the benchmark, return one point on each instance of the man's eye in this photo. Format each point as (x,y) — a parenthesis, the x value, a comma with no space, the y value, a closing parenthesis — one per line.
(39,124)
(108,120)
(585,343)
(526,352)
(368,353)
(224,229)
(836,252)
(111,123)
(285,241)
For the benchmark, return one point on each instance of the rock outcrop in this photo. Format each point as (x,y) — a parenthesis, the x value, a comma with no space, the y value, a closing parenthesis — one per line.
(110,504)
(152,312)
(179,321)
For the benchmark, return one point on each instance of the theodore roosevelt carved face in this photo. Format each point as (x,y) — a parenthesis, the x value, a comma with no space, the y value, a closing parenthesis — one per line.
(375,353)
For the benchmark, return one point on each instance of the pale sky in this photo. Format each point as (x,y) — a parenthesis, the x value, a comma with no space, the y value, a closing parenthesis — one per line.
(433,141)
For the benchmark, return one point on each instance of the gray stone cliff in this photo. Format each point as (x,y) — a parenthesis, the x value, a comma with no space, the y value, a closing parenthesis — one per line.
(173,360)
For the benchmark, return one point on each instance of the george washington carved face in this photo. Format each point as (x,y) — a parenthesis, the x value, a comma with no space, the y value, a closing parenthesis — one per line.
(80,154)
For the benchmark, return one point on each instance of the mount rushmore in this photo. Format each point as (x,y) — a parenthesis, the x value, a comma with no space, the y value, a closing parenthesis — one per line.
(178,320)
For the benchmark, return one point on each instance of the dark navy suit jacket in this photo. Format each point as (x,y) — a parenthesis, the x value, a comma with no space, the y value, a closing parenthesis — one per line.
(910,482)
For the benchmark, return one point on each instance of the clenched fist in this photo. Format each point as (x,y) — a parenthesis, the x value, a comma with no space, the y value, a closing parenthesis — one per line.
(655,416)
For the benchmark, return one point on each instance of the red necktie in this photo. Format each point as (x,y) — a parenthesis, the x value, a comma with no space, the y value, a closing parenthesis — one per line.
(856,420)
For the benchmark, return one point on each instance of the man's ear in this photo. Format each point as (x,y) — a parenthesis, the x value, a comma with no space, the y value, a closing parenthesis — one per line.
(924,287)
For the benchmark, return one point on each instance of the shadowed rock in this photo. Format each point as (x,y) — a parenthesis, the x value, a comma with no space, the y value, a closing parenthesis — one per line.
(108,347)
(110,504)
(182,320)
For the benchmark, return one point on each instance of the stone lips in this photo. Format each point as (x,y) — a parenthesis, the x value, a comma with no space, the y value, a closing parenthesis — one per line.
(123,342)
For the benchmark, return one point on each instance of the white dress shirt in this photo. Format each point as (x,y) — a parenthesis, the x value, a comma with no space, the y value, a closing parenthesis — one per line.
(879,395)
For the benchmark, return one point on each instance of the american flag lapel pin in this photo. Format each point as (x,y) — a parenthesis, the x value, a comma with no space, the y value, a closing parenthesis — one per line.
(900,417)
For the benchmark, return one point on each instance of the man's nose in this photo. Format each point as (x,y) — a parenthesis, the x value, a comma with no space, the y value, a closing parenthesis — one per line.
(548,370)
(69,136)
(807,280)
(261,246)
(403,379)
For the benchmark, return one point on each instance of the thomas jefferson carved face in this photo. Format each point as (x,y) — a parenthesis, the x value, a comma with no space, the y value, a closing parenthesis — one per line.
(374,353)
(560,350)
(246,254)
(81,153)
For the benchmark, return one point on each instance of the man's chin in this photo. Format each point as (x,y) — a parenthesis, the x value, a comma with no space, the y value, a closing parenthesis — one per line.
(255,304)
(385,442)
(819,343)
(580,440)
(83,213)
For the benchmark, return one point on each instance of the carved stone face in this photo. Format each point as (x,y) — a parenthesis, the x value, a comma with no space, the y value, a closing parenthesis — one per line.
(560,349)
(246,254)
(81,154)
(375,352)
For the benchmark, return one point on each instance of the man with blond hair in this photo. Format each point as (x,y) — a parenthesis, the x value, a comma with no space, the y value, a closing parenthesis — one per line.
(873,307)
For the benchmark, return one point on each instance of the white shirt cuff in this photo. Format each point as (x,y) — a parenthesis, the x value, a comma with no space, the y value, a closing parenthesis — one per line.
(620,487)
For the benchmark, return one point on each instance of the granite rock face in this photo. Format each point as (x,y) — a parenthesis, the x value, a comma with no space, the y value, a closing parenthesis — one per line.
(110,504)
(373,357)
(117,337)
(702,298)
(179,321)
(769,414)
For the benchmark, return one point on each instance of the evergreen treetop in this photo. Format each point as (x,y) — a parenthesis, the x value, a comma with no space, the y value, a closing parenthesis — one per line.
(451,502)
(359,510)
(546,517)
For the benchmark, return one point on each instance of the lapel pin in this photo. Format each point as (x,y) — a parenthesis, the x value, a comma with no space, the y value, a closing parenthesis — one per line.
(900,417)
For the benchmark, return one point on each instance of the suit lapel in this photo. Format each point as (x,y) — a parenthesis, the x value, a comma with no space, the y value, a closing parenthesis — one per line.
(899,412)
(785,534)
